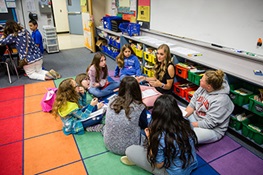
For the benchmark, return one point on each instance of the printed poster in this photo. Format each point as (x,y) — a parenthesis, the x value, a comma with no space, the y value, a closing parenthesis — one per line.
(143,2)
(3,8)
(124,3)
(144,13)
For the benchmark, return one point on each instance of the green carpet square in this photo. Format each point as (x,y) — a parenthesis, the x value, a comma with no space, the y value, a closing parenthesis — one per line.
(90,143)
(110,164)
(58,81)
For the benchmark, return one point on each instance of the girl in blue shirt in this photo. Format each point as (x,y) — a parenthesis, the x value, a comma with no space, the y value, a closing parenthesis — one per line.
(25,45)
(170,146)
(128,63)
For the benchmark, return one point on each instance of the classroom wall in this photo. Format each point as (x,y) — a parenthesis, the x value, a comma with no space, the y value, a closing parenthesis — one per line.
(233,23)
(23,12)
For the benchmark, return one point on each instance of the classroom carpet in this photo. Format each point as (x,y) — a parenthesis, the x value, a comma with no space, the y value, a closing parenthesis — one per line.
(32,142)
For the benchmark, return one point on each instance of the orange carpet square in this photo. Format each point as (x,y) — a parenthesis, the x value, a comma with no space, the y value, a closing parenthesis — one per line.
(38,88)
(32,104)
(11,130)
(71,169)
(11,108)
(40,123)
(11,93)
(11,159)
(48,152)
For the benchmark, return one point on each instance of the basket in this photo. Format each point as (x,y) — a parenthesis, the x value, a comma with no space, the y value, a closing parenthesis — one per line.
(130,28)
(107,21)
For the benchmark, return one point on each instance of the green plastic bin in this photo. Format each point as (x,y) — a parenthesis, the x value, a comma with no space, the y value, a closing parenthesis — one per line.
(238,98)
(194,77)
(252,133)
(255,106)
(234,123)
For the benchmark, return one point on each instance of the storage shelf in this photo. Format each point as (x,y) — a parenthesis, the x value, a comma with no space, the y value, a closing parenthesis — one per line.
(50,39)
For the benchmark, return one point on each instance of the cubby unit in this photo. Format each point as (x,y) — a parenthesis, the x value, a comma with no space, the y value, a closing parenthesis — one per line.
(237,67)
(108,42)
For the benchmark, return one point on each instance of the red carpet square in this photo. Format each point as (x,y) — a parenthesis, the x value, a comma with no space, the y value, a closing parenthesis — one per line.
(11,130)
(11,108)
(11,159)
(11,93)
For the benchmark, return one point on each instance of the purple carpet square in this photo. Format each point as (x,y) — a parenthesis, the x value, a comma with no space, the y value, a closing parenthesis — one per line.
(212,151)
(239,162)
(111,74)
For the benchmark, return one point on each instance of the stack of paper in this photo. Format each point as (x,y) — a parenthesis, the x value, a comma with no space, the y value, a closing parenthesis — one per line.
(185,51)
(148,93)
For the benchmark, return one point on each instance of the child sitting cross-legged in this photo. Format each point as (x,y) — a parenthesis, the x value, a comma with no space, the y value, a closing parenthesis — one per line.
(73,110)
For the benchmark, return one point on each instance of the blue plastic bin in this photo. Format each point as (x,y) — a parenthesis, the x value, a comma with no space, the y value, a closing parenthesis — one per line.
(130,28)
(107,21)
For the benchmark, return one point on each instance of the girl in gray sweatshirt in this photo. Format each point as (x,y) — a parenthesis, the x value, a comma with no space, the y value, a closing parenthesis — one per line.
(210,107)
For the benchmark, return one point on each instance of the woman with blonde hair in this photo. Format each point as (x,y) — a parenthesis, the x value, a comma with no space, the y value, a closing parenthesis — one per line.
(210,107)
(164,73)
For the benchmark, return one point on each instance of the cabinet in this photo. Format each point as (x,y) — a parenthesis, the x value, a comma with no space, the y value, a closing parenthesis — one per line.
(50,40)
(109,42)
(237,67)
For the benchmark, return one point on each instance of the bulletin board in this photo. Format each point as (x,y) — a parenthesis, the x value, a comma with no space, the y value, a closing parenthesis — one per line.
(230,23)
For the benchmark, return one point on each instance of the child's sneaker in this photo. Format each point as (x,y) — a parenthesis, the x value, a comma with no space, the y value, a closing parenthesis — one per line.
(126,161)
(55,74)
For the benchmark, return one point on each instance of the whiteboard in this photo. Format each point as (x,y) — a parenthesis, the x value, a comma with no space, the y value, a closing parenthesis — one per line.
(230,23)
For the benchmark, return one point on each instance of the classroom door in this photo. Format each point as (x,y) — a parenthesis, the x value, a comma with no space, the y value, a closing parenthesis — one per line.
(74,17)
(61,16)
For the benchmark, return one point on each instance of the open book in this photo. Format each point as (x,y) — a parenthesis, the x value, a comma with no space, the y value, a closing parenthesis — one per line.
(96,113)
(148,93)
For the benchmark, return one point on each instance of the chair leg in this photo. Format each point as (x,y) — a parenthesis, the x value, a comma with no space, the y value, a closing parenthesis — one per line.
(8,72)
(14,65)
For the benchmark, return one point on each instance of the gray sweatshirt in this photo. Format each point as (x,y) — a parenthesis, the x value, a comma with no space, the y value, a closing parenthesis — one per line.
(212,110)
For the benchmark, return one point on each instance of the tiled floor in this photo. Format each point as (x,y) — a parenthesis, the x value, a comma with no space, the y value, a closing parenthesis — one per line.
(31,142)
(69,41)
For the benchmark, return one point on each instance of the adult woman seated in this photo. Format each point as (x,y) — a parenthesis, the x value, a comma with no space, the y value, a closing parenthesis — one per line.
(210,107)
(163,77)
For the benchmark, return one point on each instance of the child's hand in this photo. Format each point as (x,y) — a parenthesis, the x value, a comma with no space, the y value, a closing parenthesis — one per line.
(100,105)
(147,132)
(140,78)
(81,90)
(96,85)
(94,102)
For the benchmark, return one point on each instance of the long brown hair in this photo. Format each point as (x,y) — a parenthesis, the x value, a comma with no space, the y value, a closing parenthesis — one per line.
(96,63)
(66,92)
(11,27)
(120,57)
(168,121)
(129,92)
(159,67)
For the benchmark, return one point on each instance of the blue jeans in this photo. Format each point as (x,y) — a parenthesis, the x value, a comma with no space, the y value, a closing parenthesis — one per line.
(116,71)
(92,121)
(99,92)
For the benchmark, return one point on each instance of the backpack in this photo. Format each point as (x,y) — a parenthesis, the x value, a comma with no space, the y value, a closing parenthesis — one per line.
(48,99)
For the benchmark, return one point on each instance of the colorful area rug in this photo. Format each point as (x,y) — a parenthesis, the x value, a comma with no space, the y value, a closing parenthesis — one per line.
(31,142)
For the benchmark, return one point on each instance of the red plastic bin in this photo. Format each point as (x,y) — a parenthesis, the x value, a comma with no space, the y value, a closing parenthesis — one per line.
(181,88)
(181,71)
